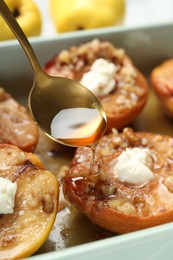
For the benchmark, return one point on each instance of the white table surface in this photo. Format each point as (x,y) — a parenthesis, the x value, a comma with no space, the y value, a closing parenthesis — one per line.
(138,12)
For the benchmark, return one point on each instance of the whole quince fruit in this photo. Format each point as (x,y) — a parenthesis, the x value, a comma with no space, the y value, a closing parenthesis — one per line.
(27,15)
(71,15)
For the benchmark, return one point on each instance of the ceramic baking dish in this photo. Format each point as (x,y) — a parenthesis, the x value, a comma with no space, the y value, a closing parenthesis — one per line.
(73,236)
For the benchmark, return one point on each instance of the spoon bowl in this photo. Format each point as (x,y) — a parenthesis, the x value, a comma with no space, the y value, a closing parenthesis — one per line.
(65,110)
(47,100)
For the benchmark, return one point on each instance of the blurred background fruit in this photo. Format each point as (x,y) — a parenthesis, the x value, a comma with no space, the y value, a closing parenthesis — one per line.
(27,15)
(72,15)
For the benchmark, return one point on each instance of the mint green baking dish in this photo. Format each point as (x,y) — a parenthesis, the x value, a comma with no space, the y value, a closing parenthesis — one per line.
(148,46)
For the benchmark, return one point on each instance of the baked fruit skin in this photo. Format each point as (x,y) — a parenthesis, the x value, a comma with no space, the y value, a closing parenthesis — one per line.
(36,203)
(112,204)
(162,81)
(27,15)
(16,124)
(129,96)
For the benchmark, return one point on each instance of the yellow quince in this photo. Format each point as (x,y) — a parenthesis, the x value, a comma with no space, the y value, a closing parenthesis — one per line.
(71,15)
(27,15)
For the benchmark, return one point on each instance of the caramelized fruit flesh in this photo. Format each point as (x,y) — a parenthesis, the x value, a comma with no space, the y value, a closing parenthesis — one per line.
(36,203)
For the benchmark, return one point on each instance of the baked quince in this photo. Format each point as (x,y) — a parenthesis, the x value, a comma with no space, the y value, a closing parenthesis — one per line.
(27,15)
(162,82)
(75,15)
(130,185)
(36,202)
(16,124)
(128,94)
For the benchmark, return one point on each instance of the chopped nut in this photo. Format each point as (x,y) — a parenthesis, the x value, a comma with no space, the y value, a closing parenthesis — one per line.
(108,190)
(169,153)
(116,140)
(129,134)
(105,151)
(122,206)
(168,182)
(144,141)
(114,131)
(115,203)
(127,208)
(120,53)
(64,56)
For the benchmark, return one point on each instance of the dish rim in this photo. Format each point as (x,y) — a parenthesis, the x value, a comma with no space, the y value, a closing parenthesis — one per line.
(124,240)
(88,33)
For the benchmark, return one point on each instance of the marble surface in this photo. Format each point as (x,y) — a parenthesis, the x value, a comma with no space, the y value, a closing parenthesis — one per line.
(138,12)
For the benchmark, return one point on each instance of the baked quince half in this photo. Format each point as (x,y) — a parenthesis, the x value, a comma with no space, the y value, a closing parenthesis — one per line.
(109,73)
(16,124)
(27,15)
(162,82)
(36,202)
(129,187)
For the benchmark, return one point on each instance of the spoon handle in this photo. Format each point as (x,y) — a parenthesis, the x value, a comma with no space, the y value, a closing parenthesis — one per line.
(16,29)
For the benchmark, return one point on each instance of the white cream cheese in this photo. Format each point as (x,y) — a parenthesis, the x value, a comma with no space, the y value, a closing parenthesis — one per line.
(101,78)
(134,166)
(7,195)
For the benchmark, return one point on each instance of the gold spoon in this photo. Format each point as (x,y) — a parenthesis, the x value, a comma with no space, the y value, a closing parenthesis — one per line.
(65,110)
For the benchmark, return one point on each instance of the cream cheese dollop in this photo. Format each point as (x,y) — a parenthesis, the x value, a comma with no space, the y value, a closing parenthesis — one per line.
(7,196)
(134,165)
(101,77)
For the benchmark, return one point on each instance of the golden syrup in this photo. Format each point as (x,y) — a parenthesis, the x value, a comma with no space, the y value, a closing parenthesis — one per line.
(78,126)
(93,150)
